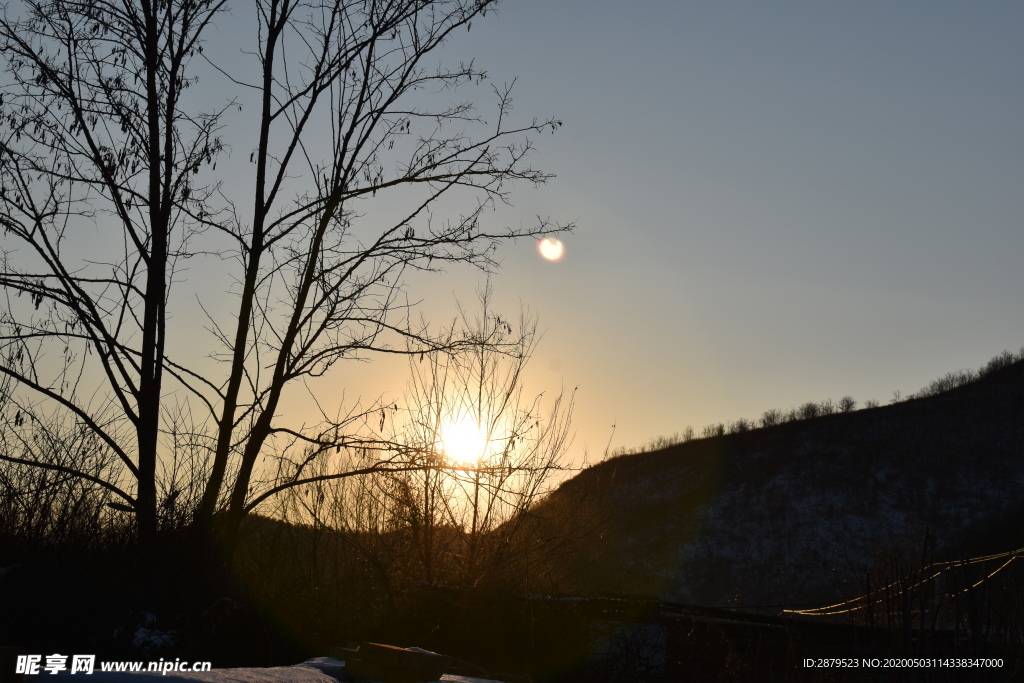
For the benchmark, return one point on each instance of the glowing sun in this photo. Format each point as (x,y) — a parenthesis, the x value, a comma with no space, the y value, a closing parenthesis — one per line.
(464,441)
(552,249)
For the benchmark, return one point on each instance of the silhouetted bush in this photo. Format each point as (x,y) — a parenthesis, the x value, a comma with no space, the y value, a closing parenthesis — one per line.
(741,425)
(1003,360)
(809,411)
(959,378)
(712,431)
(948,382)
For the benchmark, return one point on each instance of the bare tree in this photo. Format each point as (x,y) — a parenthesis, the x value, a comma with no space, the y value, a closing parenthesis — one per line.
(480,452)
(108,167)
(471,410)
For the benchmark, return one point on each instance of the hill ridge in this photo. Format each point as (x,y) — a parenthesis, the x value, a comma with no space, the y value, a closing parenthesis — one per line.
(799,512)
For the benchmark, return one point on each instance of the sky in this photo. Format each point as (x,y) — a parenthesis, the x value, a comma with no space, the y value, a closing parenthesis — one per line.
(775,202)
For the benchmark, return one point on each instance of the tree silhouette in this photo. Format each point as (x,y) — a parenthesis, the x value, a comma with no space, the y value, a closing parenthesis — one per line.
(108,166)
(523,444)
(451,521)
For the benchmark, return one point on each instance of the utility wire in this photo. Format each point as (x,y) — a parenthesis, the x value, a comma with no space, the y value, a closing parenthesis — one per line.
(856,603)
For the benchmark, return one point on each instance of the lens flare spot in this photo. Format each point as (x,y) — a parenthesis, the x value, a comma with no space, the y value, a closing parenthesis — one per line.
(551,249)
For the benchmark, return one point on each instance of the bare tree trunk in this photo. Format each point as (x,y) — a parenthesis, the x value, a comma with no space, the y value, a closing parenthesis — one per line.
(151,364)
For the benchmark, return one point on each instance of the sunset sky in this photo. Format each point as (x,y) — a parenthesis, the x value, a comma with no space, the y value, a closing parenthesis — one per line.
(776,202)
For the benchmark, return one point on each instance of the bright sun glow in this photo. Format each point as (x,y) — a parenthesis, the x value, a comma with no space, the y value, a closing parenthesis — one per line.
(551,249)
(464,441)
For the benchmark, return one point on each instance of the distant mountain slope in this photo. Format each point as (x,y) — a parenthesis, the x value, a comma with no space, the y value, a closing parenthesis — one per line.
(799,512)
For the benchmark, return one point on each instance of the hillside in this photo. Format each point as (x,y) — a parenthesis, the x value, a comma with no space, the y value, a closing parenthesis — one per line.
(801,512)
